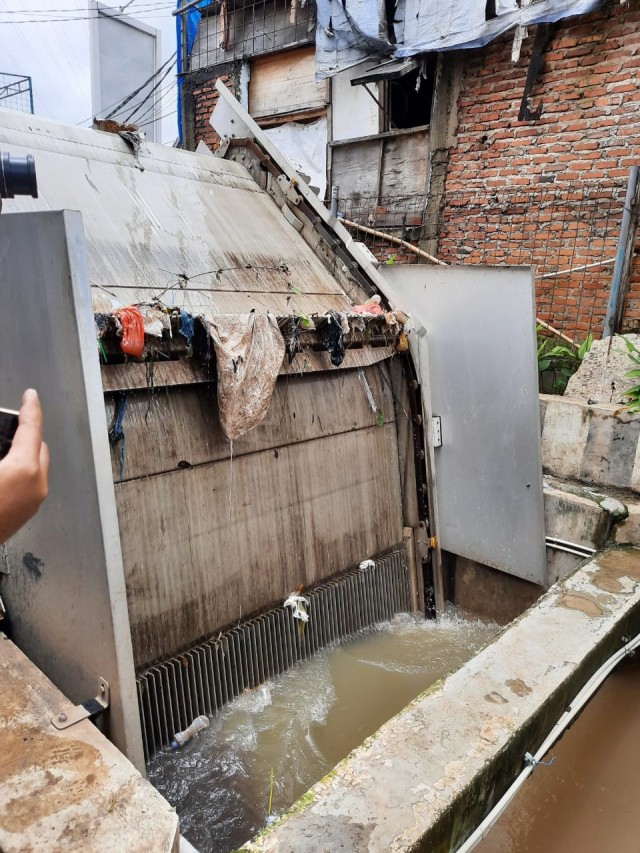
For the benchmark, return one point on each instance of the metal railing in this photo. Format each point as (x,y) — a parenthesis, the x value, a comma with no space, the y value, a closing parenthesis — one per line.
(16,92)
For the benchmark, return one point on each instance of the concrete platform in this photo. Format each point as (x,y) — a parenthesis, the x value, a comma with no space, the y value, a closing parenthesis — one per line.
(425,780)
(69,790)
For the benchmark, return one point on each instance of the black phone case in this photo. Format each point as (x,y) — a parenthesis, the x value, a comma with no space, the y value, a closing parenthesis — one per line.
(8,427)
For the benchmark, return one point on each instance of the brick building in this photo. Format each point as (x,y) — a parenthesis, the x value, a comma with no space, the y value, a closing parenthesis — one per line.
(502,161)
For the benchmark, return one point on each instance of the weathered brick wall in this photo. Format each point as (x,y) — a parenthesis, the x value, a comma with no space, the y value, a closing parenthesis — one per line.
(201,96)
(549,192)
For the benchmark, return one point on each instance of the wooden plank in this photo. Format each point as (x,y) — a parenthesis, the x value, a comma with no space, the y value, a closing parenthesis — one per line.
(354,168)
(69,789)
(180,428)
(297,115)
(284,83)
(405,164)
(124,377)
(206,546)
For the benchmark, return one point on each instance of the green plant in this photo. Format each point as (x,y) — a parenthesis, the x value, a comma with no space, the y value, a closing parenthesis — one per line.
(633,393)
(557,361)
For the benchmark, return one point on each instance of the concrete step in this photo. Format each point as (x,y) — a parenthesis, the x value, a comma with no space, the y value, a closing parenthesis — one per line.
(589,517)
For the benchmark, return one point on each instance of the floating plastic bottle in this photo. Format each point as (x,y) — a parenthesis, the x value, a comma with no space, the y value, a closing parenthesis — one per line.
(180,738)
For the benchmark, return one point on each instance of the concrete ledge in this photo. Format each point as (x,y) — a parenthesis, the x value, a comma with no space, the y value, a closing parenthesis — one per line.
(68,789)
(425,780)
(593,444)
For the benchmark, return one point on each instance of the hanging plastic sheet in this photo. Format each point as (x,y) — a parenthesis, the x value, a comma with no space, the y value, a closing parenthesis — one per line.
(249,354)
(305,145)
(348,31)
(450,25)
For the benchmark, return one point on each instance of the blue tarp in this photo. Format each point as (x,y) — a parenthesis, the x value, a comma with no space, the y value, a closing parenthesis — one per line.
(190,20)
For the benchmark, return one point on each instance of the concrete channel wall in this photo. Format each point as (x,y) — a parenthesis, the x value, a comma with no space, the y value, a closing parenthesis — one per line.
(591,461)
(427,778)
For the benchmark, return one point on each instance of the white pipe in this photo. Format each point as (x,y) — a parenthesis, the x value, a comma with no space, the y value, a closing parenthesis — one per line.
(565,720)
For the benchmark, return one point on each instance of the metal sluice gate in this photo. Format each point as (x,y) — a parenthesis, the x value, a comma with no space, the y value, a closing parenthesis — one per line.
(210,675)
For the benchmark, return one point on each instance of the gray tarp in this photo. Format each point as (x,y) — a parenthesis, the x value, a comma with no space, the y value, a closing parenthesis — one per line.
(346,33)
(450,25)
(425,26)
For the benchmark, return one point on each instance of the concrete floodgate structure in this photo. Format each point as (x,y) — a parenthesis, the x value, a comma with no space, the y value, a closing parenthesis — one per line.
(68,788)
(345,466)
(429,776)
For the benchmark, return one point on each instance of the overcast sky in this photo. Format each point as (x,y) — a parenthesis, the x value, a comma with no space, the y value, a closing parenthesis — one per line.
(49,40)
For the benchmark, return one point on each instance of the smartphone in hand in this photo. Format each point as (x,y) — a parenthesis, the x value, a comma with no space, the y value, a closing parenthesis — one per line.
(8,427)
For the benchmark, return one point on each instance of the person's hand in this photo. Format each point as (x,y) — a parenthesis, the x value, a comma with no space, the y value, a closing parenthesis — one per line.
(24,470)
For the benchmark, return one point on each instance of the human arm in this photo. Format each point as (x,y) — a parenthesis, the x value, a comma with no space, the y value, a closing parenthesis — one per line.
(24,470)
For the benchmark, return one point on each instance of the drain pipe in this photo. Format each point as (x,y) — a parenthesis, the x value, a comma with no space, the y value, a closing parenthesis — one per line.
(563,723)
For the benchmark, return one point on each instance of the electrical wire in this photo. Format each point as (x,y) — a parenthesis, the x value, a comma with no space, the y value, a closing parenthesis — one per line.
(143,6)
(149,95)
(158,118)
(563,723)
(140,88)
(147,14)
(162,94)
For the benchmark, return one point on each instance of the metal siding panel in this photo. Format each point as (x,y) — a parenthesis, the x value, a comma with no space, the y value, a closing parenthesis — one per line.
(184,215)
(479,354)
(179,425)
(192,567)
(69,616)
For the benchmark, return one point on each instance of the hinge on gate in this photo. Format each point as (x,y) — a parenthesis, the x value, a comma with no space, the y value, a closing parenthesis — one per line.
(89,709)
(432,542)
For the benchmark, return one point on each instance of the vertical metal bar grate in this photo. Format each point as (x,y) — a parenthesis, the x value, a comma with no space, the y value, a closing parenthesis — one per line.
(208,676)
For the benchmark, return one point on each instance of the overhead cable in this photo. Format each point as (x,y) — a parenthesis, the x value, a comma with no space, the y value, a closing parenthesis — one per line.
(140,88)
(149,95)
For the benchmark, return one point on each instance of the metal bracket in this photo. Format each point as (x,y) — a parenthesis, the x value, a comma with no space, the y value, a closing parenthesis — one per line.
(89,709)
(289,187)
(436,424)
(223,147)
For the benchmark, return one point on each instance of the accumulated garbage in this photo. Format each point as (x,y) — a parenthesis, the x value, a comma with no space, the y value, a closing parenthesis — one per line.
(198,725)
(298,604)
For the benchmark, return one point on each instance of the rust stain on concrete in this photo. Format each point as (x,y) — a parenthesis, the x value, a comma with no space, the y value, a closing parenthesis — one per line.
(517,686)
(581,601)
(613,566)
(495,698)
(47,773)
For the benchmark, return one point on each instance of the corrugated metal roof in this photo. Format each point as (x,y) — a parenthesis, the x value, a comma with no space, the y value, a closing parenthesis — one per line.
(193,230)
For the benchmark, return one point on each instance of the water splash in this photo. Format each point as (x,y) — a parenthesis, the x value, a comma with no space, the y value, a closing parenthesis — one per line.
(303,723)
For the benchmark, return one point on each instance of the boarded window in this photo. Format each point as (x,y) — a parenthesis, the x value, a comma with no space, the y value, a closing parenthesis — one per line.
(284,84)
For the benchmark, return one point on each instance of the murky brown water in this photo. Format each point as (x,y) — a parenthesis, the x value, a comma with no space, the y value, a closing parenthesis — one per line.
(302,724)
(589,799)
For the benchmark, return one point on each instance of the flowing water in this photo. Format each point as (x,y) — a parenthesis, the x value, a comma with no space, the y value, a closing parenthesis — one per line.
(297,727)
(587,800)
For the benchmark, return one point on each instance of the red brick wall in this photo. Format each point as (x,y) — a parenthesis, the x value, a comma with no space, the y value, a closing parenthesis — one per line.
(549,192)
(201,87)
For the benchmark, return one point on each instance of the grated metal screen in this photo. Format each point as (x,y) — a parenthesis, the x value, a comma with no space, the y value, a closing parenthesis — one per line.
(16,92)
(205,678)
(568,233)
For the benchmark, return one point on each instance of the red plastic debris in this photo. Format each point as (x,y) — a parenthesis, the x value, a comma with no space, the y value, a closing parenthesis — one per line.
(132,324)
